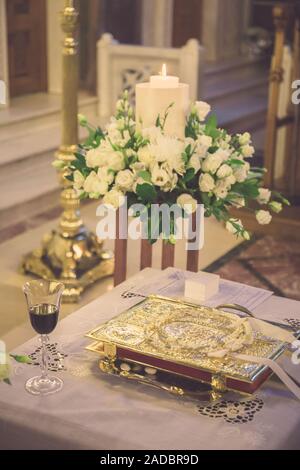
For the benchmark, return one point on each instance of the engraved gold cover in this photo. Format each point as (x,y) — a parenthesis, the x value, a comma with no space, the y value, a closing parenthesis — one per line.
(183,333)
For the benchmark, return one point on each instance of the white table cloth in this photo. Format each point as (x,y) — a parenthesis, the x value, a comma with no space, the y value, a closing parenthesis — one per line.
(94,411)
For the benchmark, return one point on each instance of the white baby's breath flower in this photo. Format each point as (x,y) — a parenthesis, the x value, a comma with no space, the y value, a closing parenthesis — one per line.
(194,163)
(78,180)
(224,171)
(275,206)
(211,163)
(241,172)
(234,226)
(244,139)
(201,108)
(247,150)
(263,217)
(206,183)
(264,196)
(124,180)
(114,198)
(187,202)
(94,186)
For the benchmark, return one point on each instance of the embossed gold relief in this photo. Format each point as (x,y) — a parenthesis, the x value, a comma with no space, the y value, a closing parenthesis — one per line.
(184,333)
(70,253)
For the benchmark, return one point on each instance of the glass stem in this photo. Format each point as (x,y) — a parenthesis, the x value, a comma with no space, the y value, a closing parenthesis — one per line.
(44,362)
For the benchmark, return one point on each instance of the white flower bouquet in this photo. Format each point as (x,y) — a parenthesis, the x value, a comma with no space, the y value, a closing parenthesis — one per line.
(208,167)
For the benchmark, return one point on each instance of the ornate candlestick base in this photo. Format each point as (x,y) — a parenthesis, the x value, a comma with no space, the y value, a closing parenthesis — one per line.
(70,253)
(86,259)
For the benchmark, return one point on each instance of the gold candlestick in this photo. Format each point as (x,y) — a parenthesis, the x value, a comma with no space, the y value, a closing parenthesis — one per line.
(70,253)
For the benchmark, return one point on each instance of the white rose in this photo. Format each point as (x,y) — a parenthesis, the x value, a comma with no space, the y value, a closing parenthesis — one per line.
(238,201)
(241,172)
(160,177)
(233,225)
(94,158)
(230,180)
(114,198)
(137,167)
(115,161)
(221,189)
(94,185)
(187,202)
(113,132)
(245,138)
(224,154)
(202,109)
(247,150)
(105,175)
(145,156)
(263,217)
(177,164)
(224,171)
(206,183)
(202,145)
(173,178)
(275,206)
(211,163)
(264,196)
(194,163)
(124,180)
(78,180)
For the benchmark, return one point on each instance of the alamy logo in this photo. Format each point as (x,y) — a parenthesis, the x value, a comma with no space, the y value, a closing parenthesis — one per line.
(173,222)
(296,93)
(2,92)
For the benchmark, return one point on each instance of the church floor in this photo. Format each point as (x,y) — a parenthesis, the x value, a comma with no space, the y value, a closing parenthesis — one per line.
(265,262)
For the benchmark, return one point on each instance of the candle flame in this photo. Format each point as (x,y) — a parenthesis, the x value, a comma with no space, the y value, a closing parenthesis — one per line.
(164,71)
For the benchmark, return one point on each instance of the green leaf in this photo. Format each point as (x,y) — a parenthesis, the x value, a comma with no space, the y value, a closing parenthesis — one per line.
(145,175)
(235,161)
(7,381)
(213,149)
(212,122)
(146,192)
(189,175)
(69,178)
(21,359)
(248,189)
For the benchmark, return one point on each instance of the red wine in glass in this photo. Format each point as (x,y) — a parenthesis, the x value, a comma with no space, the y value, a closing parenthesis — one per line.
(43,318)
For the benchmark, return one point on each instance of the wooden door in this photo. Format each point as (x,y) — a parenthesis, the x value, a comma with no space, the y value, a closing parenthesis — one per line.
(26,26)
(186,21)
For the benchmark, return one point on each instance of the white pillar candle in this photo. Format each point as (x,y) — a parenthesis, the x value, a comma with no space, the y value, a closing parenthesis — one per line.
(154,97)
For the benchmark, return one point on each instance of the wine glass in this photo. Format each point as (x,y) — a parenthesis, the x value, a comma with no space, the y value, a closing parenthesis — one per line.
(43,301)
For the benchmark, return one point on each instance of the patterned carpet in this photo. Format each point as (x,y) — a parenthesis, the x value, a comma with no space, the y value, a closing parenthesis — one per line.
(265,262)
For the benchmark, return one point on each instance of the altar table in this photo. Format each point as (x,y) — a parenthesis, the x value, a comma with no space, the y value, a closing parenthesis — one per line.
(95,411)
